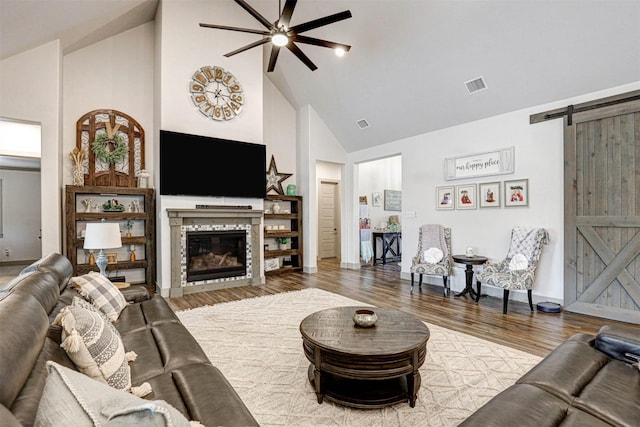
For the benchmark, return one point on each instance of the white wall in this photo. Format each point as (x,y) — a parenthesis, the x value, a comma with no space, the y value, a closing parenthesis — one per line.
(30,90)
(183,48)
(316,144)
(538,157)
(116,73)
(21,212)
(377,176)
(280,132)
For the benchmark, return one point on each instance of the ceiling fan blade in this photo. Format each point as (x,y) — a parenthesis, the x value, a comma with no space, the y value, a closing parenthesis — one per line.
(318,42)
(321,22)
(301,56)
(275,50)
(242,30)
(247,47)
(287,11)
(254,13)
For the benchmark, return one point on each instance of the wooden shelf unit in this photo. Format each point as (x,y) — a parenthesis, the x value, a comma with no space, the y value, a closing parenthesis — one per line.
(144,230)
(294,232)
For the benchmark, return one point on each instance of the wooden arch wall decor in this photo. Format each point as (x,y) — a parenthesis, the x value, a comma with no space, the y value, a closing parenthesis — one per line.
(111,126)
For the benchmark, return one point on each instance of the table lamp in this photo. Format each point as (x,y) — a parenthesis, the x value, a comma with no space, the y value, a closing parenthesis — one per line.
(102,235)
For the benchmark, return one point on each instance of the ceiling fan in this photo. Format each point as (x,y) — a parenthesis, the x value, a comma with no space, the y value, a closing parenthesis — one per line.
(281,34)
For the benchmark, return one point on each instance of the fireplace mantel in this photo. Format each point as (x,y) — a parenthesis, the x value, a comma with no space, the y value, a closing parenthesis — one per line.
(182,219)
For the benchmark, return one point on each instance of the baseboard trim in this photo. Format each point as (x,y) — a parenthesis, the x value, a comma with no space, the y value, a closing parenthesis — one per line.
(21,262)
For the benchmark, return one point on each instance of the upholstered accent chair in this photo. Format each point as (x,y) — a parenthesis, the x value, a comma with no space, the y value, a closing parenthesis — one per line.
(432,236)
(517,270)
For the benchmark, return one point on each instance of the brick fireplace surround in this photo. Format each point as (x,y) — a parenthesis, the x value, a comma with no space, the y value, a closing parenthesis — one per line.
(183,220)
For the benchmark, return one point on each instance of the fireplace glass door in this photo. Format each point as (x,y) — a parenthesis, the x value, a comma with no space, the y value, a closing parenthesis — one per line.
(216,254)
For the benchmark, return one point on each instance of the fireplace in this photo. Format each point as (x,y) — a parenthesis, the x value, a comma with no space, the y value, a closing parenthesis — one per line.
(215,254)
(214,249)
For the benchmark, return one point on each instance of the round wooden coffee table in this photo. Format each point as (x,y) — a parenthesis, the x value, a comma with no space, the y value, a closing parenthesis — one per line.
(364,367)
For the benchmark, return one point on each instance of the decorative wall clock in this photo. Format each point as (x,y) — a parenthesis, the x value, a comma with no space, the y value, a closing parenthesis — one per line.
(217,93)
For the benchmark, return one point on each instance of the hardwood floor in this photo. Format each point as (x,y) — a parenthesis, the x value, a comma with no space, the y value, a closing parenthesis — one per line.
(534,332)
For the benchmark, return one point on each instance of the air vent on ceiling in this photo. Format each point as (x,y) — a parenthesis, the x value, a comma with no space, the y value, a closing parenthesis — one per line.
(475,85)
(363,123)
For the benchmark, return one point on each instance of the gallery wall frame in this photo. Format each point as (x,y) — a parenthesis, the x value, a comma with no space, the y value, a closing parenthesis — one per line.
(489,194)
(376,199)
(516,193)
(445,197)
(466,196)
(392,200)
(496,162)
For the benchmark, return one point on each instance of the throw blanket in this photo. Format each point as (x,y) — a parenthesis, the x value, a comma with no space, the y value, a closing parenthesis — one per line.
(433,237)
(528,242)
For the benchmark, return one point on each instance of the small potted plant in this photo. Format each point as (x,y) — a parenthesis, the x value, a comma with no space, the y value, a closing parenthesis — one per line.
(283,242)
(128,226)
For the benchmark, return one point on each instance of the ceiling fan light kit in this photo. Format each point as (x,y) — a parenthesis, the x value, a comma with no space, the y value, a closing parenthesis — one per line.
(280,34)
(280,39)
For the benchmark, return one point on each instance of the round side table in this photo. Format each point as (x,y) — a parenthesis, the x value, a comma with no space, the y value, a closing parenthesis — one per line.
(469,261)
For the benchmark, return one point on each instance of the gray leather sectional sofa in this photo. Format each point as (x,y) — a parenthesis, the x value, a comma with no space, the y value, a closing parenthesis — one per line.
(586,381)
(168,357)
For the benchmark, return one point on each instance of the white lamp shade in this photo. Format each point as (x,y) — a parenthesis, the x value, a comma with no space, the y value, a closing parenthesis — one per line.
(102,235)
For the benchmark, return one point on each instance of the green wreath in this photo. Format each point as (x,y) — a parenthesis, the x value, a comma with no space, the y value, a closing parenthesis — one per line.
(99,148)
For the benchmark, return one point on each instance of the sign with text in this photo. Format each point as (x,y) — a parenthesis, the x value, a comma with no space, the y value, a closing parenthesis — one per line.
(496,162)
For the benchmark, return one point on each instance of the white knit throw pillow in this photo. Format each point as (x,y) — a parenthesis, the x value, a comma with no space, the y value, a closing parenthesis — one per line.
(518,262)
(432,256)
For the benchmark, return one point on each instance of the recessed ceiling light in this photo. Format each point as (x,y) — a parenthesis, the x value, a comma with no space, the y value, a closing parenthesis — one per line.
(339,52)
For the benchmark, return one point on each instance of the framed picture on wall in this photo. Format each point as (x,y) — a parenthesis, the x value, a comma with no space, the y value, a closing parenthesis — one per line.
(392,200)
(376,199)
(489,194)
(466,196)
(444,197)
(516,193)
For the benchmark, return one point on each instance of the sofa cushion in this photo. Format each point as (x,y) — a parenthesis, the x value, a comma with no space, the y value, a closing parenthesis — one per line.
(24,326)
(55,263)
(613,394)
(26,403)
(99,290)
(70,398)
(94,346)
(568,369)
(521,405)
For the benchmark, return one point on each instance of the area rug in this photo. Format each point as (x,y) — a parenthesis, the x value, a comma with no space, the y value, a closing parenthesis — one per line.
(256,343)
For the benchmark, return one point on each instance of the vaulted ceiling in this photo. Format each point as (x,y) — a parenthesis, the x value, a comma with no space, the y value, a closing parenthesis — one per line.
(409,61)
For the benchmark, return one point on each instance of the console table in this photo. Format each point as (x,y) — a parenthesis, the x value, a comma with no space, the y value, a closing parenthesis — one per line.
(391,246)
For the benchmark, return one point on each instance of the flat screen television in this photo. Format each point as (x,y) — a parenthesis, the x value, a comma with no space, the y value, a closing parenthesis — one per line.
(193,165)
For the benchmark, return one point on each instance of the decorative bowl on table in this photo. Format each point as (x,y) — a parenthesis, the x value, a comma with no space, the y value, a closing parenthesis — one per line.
(365,318)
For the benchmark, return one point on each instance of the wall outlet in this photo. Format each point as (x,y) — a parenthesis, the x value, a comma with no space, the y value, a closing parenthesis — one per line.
(6,252)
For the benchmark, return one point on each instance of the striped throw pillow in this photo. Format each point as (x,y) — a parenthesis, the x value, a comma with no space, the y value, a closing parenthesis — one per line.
(94,346)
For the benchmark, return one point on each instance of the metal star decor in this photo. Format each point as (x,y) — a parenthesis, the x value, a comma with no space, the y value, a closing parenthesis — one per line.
(274,179)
